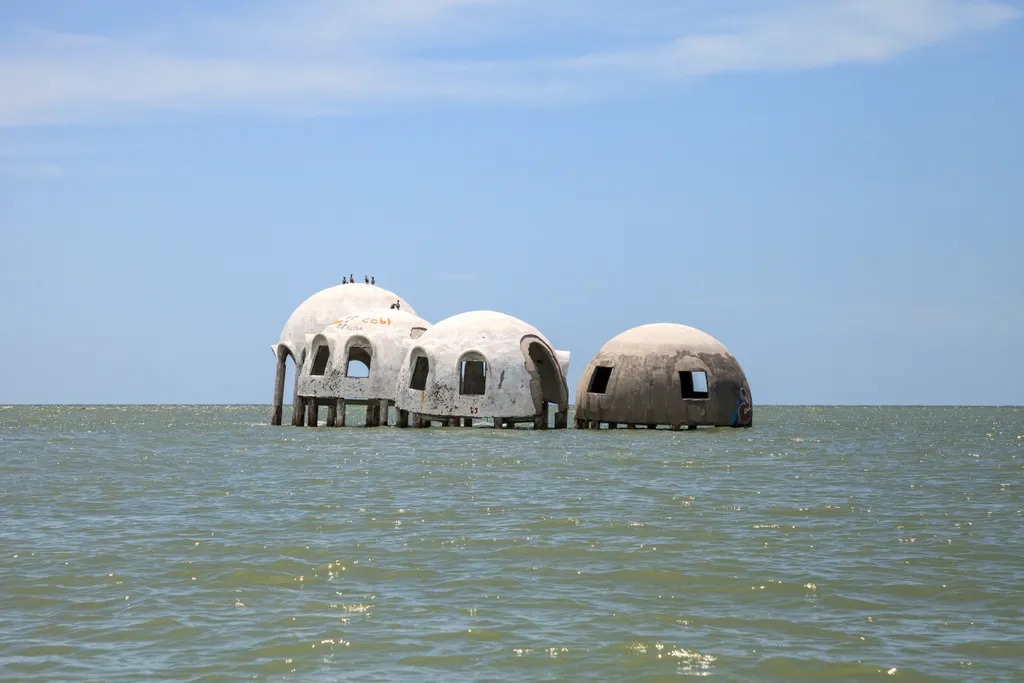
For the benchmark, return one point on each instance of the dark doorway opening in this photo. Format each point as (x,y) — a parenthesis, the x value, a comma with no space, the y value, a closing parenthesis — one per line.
(419,374)
(473,377)
(599,380)
(323,354)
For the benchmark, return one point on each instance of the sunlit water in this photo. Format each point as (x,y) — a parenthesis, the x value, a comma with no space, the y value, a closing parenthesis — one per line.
(195,543)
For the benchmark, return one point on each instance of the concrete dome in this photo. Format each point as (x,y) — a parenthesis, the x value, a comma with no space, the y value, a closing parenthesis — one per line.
(483,364)
(664,374)
(324,307)
(379,339)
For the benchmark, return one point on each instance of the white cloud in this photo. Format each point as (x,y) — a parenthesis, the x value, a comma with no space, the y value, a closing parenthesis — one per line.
(323,54)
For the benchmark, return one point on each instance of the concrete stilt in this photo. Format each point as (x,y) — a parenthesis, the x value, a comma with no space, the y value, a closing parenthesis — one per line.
(402,418)
(371,413)
(652,426)
(613,425)
(562,419)
(595,424)
(454,422)
(417,421)
(499,423)
(312,412)
(332,413)
(540,421)
(340,420)
(467,422)
(278,406)
(298,404)
(383,412)
(692,428)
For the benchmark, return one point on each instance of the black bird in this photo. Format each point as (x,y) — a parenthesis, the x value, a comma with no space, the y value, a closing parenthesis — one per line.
(398,304)
(366,279)
(344,280)
(373,280)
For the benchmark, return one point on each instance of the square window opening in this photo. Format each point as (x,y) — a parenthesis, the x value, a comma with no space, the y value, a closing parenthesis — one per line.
(419,374)
(694,384)
(599,380)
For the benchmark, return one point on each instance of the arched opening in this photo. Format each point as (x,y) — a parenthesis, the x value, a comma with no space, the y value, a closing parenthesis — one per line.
(321,356)
(360,358)
(420,372)
(417,332)
(547,384)
(472,375)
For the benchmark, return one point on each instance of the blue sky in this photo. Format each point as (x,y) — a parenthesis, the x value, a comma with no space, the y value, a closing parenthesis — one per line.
(834,189)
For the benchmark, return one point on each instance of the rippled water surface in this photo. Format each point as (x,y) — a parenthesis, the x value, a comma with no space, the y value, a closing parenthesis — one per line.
(195,543)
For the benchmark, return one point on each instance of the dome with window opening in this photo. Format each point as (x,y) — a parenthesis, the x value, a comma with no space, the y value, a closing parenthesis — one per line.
(664,375)
(360,355)
(484,365)
(319,310)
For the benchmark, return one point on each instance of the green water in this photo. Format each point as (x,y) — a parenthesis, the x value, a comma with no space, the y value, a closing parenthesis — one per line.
(195,543)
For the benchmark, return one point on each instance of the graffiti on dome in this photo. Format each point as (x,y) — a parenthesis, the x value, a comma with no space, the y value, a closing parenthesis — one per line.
(359,322)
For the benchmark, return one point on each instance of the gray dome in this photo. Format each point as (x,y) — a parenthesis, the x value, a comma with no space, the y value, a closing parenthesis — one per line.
(664,374)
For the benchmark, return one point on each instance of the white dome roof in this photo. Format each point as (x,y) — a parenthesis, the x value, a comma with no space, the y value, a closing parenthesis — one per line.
(484,325)
(664,336)
(323,308)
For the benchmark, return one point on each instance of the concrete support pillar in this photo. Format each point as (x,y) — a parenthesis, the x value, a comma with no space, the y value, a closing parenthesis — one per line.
(454,422)
(677,428)
(467,422)
(613,425)
(540,421)
(332,413)
(401,418)
(652,426)
(499,423)
(278,406)
(417,421)
(692,428)
(581,423)
(383,412)
(298,404)
(562,419)
(340,420)
(312,412)
(595,424)
(371,413)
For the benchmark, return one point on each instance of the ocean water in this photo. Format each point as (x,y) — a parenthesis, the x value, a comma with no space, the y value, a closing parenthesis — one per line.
(198,544)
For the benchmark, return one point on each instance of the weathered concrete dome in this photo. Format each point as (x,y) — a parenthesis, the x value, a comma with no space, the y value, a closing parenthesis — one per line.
(326,306)
(483,364)
(664,374)
(375,341)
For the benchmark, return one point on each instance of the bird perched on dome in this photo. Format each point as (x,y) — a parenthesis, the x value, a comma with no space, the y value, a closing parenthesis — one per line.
(366,279)
(344,280)
(351,278)
(373,280)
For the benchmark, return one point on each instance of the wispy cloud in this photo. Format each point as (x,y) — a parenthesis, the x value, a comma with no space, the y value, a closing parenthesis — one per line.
(321,55)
